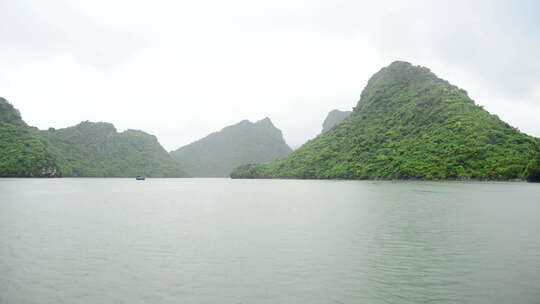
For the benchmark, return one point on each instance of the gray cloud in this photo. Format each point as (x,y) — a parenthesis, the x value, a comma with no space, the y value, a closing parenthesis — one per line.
(181,70)
(494,40)
(43,28)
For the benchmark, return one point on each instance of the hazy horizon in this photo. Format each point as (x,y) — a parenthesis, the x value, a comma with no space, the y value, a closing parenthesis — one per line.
(181,71)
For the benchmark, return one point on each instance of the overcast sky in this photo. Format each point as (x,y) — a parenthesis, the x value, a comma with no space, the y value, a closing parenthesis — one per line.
(182,69)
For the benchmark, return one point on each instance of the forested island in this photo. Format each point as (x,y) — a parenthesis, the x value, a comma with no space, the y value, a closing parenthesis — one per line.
(410,124)
(85,150)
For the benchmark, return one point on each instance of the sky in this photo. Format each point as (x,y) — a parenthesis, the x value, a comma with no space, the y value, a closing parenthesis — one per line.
(183,69)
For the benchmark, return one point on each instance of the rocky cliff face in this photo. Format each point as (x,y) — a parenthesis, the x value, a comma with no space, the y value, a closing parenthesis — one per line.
(49,172)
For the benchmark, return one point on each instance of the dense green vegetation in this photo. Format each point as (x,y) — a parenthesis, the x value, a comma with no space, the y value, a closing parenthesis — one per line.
(23,152)
(333,118)
(96,149)
(532,173)
(219,153)
(88,149)
(10,115)
(410,124)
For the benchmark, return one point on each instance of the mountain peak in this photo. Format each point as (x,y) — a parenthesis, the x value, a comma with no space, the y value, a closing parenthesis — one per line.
(265,121)
(8,113)
(333,118)
(218,153)
(410,124)
(89,127)
(244,122)
(397,76)
(400,64)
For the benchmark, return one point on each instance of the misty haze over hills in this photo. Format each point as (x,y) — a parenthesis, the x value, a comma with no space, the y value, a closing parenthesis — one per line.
(161,66)
(257,152)
(408,124)
(217,154)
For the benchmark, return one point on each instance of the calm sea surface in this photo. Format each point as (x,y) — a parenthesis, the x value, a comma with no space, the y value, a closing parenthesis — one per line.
(268,241)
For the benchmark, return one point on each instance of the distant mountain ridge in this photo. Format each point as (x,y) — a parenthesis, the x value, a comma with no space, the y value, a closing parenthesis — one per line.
(217,154)
(85,150)
(410,124)
(333,118)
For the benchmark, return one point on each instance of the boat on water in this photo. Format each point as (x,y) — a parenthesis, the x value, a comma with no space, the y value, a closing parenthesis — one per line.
(140,177)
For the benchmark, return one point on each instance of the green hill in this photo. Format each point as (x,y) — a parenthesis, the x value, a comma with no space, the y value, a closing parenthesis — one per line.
(410,124)
(23,151)
(333,118)
(217,154)
(85,150)
(96,149)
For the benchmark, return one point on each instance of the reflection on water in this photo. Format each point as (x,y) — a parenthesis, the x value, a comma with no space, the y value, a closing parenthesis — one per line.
(268,241)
